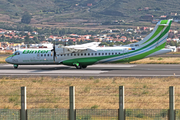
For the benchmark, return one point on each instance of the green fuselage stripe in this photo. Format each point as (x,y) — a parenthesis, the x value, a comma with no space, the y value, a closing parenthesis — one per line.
(159,29)
(140,56)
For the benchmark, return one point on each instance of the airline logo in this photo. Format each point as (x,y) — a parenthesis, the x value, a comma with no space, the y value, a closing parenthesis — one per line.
(35,51)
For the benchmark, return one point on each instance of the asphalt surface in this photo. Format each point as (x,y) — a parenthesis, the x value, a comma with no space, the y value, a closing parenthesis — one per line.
(99,70)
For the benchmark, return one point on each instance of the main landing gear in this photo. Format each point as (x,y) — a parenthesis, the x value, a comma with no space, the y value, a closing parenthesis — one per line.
(78,66)
(15,66)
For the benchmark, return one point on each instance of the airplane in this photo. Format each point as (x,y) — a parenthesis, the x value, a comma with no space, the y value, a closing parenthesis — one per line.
(87,54)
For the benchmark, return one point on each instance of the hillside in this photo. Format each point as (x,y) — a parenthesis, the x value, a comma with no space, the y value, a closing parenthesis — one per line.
(82,11)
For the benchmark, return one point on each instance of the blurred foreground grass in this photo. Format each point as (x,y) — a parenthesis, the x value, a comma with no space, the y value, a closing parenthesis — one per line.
(90,93)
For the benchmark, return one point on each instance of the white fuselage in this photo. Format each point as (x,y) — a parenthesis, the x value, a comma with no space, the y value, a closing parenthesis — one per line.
(45,56)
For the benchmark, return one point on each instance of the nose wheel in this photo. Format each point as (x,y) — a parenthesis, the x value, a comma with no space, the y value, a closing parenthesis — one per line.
(15,66)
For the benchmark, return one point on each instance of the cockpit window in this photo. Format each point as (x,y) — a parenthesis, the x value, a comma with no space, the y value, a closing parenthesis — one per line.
(17,53)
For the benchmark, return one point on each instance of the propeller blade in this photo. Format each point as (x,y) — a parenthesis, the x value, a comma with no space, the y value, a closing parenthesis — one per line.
(54,52)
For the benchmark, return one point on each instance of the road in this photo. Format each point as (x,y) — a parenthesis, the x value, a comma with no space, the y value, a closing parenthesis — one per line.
(99,70)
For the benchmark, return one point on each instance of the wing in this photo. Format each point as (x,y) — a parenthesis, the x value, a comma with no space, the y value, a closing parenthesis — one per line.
(86,45)
(90,47)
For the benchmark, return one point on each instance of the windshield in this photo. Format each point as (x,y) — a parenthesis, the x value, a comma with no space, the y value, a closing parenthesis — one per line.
(16,53)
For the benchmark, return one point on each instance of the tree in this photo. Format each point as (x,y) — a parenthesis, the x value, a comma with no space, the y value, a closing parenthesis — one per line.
(16,14)
(26,18)
(27,38)
(3,38)
(36,40)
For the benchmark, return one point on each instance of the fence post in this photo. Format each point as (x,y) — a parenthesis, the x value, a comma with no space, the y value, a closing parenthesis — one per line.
(72,103)
(121,103)
(171,103)
(23,115)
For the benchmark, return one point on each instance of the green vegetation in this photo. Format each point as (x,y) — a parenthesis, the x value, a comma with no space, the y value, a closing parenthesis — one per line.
(84,117)
(103,11)
(26,18)
(94,107)
(160,58)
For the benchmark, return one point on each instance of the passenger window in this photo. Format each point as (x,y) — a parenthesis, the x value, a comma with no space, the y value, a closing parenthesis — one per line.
(48,55)
(61,54)
(71,54)
(105,53)
(78,54)
(44,54)
(119,53)
(64,54)
(112,53)
(67,54)
(95,53)
(109,53)
(91,53)
(41,54)
(102,53)
(74,54)
(81,54)
(88,54)
(85,54)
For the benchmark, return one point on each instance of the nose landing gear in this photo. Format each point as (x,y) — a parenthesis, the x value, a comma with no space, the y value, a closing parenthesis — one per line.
(15,66)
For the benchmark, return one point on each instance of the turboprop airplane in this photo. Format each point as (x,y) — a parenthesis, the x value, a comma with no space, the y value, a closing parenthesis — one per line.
(83,55)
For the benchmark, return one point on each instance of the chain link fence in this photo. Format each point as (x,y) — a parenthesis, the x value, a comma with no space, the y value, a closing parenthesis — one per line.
(96,114)
(9,114)
(47,114)
(146,114)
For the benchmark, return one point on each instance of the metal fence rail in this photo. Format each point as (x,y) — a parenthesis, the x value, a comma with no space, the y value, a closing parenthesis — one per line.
(7,114)
(96,114)
(47,114)
(146,114)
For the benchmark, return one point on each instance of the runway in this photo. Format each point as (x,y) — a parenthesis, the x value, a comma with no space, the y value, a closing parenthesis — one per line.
(99,70)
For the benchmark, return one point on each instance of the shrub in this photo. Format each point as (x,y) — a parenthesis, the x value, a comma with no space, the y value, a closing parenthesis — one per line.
(151,58)
(128,113)
(87,89)
(94,107)
(86,117)
(140,115)
(96,81)
(160,58)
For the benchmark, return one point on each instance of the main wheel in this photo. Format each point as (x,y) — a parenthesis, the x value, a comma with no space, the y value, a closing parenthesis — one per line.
(15,66)
(84,66)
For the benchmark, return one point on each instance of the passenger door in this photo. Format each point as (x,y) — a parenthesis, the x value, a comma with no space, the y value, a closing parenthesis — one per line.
(125,54)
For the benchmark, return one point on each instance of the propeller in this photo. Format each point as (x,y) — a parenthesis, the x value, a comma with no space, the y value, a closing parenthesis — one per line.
(65,43)
(54,52)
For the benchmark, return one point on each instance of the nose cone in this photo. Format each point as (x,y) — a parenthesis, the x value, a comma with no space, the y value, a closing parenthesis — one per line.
(7,60)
